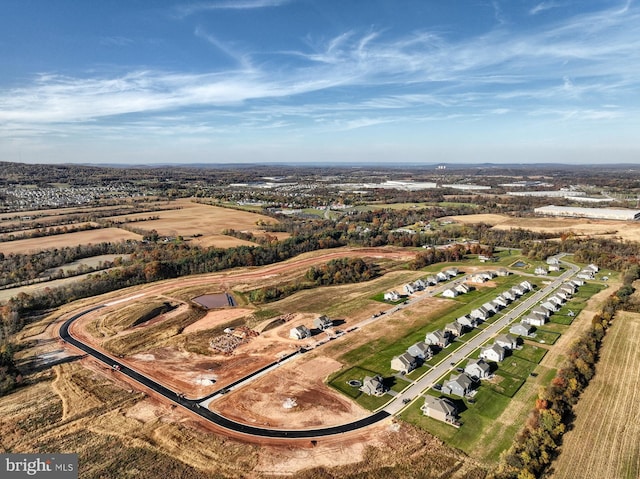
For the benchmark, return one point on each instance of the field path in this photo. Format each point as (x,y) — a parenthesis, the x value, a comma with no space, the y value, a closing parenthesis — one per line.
(604,441)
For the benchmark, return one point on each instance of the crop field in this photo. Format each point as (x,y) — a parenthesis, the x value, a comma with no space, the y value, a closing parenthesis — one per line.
(70,239)
(604,439)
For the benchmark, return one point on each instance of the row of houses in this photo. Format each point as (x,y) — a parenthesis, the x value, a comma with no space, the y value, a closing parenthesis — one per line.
(539,315)
(421,284)
(484,276)
(588,272)
(321,323)
(439,339)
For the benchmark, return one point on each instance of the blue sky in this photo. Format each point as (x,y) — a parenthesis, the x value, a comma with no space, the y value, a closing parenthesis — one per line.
(385,81)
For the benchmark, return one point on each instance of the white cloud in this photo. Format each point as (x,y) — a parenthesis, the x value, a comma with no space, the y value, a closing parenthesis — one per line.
(190,9)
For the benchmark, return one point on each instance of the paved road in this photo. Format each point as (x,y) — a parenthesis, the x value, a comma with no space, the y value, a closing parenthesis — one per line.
(393,407)
(425,382)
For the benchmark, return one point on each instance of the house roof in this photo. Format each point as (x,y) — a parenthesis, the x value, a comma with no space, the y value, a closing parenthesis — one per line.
(440,404)
(463,380)
(481,363)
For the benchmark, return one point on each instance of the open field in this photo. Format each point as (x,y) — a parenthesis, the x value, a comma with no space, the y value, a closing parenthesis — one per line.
(189,219)
(607,419)
(627,230)
(70,239)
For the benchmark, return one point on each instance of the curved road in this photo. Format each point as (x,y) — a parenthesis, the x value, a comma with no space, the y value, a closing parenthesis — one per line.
(193,405)
(410,394)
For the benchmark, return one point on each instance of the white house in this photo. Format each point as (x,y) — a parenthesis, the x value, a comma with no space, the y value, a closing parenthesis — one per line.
(506,341)
(442,276)
(391,296)
(540,271)
(493,353)
(462,288)
(452,272)
(535,320)
(467,321)
(420,350)
(409,289)
(322,322)
(478,368)
(299,332)
(450,293)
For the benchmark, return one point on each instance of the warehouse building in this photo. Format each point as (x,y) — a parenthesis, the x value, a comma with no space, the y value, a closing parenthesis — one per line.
(596,213)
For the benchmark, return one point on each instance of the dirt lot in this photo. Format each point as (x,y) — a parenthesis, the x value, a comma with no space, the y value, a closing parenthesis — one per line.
(316,405)
(217,318)
(627,230)
(604,439)
(71,239)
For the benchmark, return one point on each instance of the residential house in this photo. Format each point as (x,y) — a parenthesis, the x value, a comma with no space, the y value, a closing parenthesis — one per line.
(478,369)
(454,328)
(518,290)
(493,353)
(462,288)
(552,260)
(509,295)
(500,301)
(419,285)
(535,320)
(441,409)
(373,386)
(478,278)
(437,338)
(409,289)
(480,313)
(391,296)
(420,350)
(322,322)
(497,305)
(557,300)
(540,271)
(592,267)
(458,385)
(521,329)
(507,341)
(489,307)
(526,285)
(502,272)
(442,276)
(467,321)
(562,295)
(300,332)
(539,311)
(452,272)
(552,308)
(404,363)
(554,268)
(450,293)
(431,280)
(577,282)
(585,274)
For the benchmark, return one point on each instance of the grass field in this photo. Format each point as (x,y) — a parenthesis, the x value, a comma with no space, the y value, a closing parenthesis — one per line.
(607,419)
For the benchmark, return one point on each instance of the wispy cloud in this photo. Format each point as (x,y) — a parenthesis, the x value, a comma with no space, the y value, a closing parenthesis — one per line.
(190,9)
(544,6)
(586,58)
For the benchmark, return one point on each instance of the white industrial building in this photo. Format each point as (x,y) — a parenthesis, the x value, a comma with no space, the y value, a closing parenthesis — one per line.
(597,213)
(549,194)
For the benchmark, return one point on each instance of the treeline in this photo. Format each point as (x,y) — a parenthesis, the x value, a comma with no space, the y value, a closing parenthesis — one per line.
(51,231)
(337,271)
(18,268)
(10,377)
(537,444)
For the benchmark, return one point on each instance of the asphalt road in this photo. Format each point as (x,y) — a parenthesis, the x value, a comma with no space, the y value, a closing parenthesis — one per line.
(412,393)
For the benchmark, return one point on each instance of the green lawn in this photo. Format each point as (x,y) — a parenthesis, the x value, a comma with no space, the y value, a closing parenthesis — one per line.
(530,353)
(380,297)
(516,366)
(505,384)
(340,383)
(545,337)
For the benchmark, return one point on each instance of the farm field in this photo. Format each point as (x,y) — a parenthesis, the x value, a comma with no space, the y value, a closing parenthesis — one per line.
(627,230)
(70,239)
(190,219)
(606,417)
